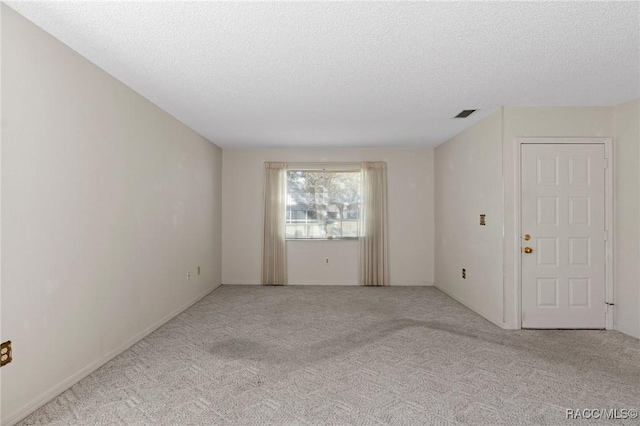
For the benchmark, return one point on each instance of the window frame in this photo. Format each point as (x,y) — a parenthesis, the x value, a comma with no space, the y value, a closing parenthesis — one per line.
(325,168)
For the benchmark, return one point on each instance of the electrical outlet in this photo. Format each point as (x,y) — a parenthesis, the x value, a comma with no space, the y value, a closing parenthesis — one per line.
(188,275)
(326,260)
(464,274)
(5,353)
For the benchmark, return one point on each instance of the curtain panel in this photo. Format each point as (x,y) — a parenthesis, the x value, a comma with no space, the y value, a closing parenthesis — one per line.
(374,270)
(274,249)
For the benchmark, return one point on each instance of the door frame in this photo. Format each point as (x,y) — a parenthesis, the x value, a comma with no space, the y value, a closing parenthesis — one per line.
(608,214)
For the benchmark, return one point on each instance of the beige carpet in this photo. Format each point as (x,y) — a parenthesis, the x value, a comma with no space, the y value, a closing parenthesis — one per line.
(248,355)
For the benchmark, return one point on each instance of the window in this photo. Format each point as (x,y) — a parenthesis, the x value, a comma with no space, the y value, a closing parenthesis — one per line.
(322,204)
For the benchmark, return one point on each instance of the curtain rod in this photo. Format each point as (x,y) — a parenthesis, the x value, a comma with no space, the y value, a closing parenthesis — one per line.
(316,162)
(325,166)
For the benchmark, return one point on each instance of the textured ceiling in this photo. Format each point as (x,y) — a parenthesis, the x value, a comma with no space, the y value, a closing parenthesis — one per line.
(352,73)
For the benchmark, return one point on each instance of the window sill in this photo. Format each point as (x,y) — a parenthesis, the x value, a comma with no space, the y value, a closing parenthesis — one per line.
(324,239)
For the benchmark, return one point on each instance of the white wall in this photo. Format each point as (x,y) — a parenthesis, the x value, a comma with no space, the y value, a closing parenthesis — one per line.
(106,202)
(627,218)
(410,186)
(540,122)
(468,181)
(1,335)
(306,262)
(468,178)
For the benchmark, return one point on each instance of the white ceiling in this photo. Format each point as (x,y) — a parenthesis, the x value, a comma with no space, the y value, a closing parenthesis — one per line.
(352,73)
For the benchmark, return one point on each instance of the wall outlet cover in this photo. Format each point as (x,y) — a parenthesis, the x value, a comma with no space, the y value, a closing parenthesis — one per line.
(6,355)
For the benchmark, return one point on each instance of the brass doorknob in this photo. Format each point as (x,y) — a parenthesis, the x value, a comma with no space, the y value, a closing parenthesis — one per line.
(527,250)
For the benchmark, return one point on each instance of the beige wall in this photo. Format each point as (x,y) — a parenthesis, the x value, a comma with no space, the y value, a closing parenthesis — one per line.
(627,218)
(107,201)
(468,176)
(410,182)
(306,262)
(467,181)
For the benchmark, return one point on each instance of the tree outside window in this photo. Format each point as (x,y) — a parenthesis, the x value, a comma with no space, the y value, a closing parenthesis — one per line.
(322,204)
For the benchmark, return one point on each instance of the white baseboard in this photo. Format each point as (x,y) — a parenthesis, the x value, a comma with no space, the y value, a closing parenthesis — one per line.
(345,283)
(412,285)
(475,309)
(56,390)
(626,331)
(338,283)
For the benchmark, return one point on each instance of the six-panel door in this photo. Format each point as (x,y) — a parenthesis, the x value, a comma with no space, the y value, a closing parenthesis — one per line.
(563,211)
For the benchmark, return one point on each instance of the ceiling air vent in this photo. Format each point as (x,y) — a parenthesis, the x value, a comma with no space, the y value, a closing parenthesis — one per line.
(465,113)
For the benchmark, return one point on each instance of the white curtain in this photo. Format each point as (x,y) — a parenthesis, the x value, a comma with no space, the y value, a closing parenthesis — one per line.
(374,270)
(274,251)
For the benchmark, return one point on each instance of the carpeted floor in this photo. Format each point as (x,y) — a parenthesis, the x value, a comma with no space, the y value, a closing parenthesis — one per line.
(249,355)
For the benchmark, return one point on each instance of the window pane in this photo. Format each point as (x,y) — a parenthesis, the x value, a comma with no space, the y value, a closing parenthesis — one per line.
(322,204)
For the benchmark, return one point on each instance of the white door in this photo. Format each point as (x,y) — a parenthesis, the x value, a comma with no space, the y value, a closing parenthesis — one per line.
(563,215)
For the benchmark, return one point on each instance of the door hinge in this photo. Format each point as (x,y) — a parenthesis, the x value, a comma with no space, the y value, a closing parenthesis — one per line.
(606,163)
(606,235)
